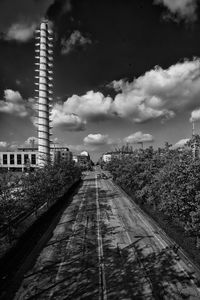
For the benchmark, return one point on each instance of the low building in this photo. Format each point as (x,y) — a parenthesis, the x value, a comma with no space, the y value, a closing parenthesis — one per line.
(84,161)
(107,157)
(27,158)
(75,158)
(18,160)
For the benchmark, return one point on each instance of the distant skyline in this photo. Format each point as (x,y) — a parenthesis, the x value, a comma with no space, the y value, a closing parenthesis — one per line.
(124,71)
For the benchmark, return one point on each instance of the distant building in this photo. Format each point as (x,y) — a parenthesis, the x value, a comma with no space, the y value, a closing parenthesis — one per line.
(107,157)
(85,153)
(27,158)
(75,158)
(59,154)
(18,160)
(83,159)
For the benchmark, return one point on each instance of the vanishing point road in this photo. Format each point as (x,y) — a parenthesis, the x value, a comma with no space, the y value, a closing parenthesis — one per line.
(105,248)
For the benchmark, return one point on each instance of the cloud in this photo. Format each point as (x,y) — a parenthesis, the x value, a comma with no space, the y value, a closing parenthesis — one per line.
(14,104)
(157,94)
(139,137)
(180,9)
(96,139)
(21,32)
(195,115)
(91,106)
(3,144)
(65,120)
(75,40)
(22,12)
(180,143)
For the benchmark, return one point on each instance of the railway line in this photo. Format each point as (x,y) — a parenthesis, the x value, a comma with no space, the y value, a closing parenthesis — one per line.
(104,247)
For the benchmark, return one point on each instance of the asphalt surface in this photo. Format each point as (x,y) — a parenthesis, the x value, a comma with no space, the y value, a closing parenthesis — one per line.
(104,247)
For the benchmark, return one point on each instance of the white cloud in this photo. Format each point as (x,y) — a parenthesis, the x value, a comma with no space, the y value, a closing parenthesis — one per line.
(91,106)
(181,9)
(3,144)
(21,32)
(180,143)
(195,115)
(139,137)
(96,139)
(22,11)
(158,94)
(13,103)
(66,120)
(75,40)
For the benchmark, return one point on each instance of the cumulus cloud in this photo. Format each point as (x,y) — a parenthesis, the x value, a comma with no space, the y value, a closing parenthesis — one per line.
(96,139)
(3,144)
(91,106)
(75,40)
(180,143)
(181,9)
(195,115)
(21,32)
(65,120)
(13,103)
(22,12)
(159,93)
(138,137)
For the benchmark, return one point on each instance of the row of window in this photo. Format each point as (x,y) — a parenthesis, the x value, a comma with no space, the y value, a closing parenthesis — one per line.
(19,159)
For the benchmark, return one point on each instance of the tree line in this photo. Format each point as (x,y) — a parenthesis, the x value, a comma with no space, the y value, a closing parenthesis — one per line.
(167,180)
(24,194)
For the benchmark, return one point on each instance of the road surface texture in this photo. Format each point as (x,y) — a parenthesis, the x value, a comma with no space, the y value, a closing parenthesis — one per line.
(105,248)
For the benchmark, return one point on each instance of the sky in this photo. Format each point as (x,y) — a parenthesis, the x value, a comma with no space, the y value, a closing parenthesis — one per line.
(125,71)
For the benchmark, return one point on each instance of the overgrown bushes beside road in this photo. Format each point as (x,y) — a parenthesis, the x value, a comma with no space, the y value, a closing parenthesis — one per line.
(166,181)
(25,194)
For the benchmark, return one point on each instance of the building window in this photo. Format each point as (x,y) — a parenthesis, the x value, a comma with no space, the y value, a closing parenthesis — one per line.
(5,159)
(33,159)
(12,159)
(19,159)
(26,159)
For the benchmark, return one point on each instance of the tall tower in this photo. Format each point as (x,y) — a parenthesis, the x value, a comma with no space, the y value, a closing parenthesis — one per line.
(44,63)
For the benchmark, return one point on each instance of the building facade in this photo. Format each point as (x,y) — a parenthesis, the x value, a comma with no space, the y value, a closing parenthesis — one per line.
(28,158)
(18,160)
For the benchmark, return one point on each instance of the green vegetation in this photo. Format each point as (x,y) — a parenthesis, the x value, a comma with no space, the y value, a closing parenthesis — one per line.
(166,184)
(22,195)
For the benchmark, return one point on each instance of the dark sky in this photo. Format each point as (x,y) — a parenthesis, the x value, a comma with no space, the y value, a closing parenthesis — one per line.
(104,40)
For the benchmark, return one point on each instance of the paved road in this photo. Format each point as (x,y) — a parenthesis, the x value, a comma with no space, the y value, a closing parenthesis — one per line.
(104,248)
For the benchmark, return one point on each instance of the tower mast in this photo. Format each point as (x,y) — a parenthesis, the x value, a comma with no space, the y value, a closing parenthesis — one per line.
(44,63)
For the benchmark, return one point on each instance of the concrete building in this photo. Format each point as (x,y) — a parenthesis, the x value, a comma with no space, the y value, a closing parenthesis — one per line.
(18,160)
(107,157)
(28,158)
